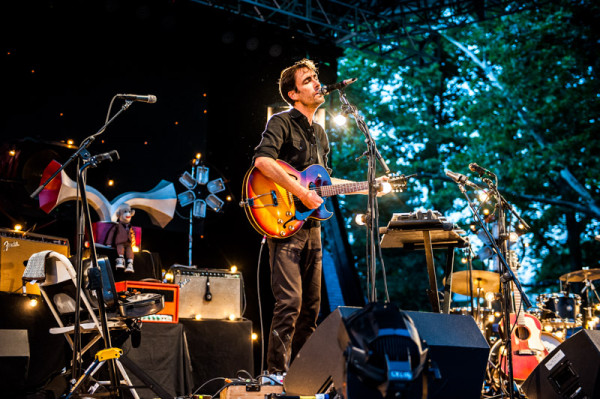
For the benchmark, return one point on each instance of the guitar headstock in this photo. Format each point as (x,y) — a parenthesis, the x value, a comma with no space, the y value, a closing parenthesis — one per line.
(399,182)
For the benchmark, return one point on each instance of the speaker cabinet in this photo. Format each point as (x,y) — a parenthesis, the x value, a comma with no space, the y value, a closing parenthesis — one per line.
(571,370)
(14,361)
(209,293)
(456,346)
(16,248)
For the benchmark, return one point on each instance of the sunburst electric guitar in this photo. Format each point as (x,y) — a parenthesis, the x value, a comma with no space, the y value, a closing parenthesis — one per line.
(528,349)
(277,213)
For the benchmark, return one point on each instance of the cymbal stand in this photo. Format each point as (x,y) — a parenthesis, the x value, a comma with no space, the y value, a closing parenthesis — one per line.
(372,214)
(589,310)
(507,274)
(83,222)
(589,287)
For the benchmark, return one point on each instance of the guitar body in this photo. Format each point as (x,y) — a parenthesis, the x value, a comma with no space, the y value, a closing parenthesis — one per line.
(275,212)
(528,350)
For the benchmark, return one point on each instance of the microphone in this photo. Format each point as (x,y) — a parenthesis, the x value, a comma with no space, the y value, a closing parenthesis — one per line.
(478,169)
(462,179)
(135,97)
(336,86)
(105,156)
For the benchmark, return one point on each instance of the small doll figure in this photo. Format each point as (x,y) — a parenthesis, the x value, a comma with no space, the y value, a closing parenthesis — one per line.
(122,237)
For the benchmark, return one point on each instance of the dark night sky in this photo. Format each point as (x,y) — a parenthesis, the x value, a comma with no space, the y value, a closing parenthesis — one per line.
(212,95)
(62,61)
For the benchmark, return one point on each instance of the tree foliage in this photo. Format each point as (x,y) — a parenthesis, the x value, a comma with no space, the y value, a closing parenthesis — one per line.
(518,96)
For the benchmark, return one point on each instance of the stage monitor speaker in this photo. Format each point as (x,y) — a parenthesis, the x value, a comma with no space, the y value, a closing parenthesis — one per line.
(209,293)
(456,346)
(459,350)
(16,248)
(571,370)
(14,362)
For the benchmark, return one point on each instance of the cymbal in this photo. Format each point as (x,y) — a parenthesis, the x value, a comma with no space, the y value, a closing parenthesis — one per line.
(485,280)
(581,275)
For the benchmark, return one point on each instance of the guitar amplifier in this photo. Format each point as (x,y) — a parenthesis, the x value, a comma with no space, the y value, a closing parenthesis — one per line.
(16,248)
(170,292)
(209,293)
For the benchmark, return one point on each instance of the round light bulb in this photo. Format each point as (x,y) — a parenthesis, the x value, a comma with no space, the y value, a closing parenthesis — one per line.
(340,120)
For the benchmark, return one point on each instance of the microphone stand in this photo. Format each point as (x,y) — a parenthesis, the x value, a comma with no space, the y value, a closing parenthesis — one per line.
(372,213)
(507,273)
(83,222)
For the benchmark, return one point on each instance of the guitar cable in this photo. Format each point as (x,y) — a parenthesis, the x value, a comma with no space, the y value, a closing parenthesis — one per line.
(260,316)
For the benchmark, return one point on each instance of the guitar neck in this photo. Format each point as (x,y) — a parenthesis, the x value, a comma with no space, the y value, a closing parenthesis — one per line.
(344,188)
(513,263)
(518,308)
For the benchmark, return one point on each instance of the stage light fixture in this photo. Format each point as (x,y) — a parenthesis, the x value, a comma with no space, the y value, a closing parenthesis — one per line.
(214,202)
(186,198)
(216,186)
(199,209)
(188,180)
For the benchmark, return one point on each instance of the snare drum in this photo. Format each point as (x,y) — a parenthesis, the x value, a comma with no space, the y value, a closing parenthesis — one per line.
(560,310)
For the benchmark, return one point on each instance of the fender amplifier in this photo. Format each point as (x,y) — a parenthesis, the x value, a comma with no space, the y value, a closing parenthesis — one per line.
(170,292)
(209,293)
(16,248)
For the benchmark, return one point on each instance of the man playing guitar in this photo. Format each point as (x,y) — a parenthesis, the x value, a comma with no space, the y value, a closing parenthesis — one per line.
(295,261)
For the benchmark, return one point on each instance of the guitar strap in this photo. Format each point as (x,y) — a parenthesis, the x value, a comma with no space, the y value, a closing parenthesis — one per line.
(319,149)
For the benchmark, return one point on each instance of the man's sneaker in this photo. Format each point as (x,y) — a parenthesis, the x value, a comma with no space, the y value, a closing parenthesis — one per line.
(120,263)
(129,268)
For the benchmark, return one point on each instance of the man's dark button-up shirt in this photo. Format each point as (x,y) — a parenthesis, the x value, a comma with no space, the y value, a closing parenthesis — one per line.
(289,137)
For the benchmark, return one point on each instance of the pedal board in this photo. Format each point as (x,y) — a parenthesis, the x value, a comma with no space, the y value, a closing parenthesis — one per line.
(250,391)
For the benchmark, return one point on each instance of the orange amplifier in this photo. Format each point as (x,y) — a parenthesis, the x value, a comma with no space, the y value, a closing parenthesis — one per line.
(170,313)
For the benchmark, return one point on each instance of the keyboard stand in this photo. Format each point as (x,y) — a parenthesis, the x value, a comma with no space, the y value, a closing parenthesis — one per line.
(426,232)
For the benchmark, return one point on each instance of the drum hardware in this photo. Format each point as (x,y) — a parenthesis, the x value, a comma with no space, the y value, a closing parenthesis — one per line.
(585,276)
(580,276)
(485,285)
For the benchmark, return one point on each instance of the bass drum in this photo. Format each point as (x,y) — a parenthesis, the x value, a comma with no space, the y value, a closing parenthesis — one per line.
(551,341)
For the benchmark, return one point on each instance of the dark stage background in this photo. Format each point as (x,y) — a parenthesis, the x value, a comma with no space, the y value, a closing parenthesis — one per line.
(214,76)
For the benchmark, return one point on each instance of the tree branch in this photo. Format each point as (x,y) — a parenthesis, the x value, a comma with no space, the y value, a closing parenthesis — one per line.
(565,173)
(575,206)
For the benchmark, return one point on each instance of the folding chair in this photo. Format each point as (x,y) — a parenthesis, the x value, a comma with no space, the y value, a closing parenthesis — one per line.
(57,280)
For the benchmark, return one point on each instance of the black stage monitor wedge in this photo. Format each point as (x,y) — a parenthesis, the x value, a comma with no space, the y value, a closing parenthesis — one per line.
(571,370)
(456,347)
(459,349)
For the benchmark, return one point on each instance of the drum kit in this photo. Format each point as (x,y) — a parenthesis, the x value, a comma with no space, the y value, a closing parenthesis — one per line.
(560,313)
